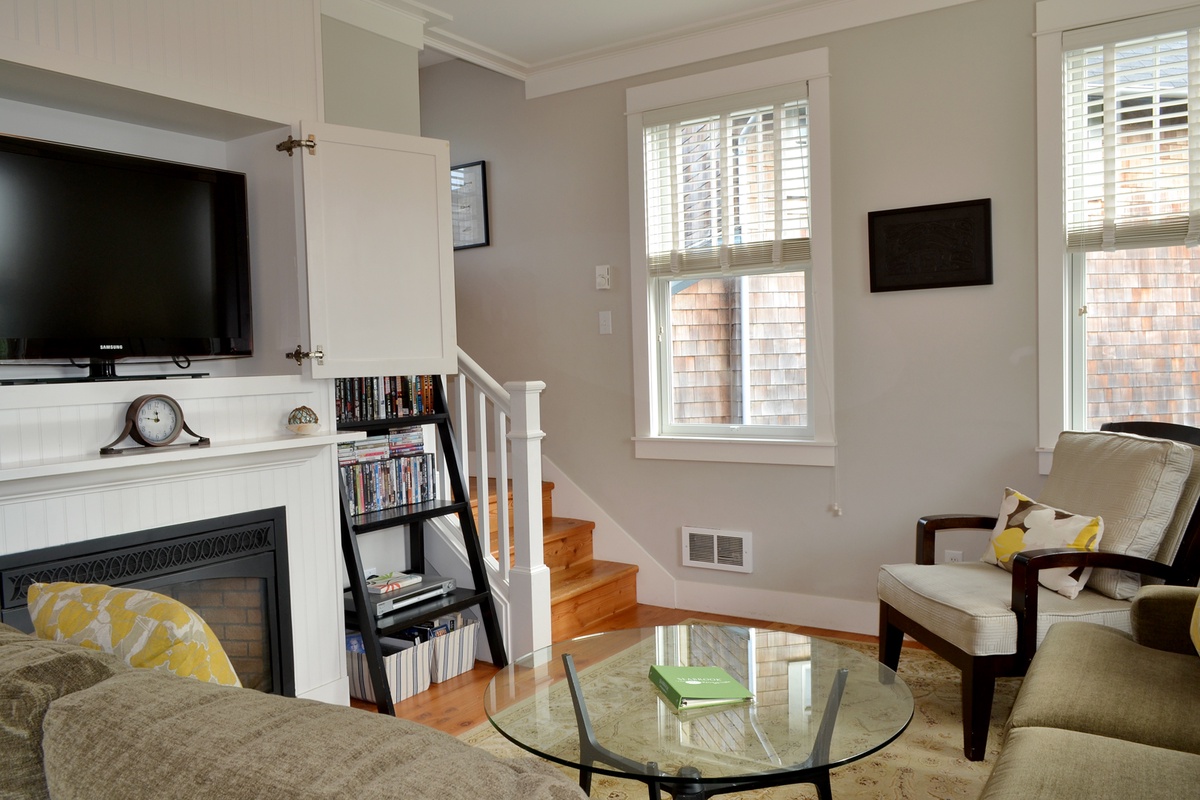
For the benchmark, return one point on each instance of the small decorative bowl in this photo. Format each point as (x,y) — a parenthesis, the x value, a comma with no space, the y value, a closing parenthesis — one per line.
(303,420)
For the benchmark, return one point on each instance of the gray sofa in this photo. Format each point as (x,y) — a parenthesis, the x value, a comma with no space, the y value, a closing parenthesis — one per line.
(75,723)
(1102,713)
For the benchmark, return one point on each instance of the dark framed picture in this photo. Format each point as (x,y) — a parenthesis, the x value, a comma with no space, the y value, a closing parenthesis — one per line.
(468,205)
(931,247)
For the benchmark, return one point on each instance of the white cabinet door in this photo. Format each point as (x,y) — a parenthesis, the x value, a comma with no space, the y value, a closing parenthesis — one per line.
(380,255)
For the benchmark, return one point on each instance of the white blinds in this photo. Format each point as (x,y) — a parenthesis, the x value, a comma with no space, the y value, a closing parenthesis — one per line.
(1132,143)
(727,191)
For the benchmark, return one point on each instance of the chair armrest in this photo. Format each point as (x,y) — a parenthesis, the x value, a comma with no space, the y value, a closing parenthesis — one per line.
(928,527)
(1162,616)
(1027,565)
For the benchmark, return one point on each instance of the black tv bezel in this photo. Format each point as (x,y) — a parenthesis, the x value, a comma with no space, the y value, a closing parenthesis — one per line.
(234,232)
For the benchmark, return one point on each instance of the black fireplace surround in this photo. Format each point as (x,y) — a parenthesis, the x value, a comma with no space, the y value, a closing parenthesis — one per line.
(200,557)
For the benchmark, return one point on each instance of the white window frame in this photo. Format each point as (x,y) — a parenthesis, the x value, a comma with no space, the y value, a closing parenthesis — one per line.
(1056,306)
(649,441)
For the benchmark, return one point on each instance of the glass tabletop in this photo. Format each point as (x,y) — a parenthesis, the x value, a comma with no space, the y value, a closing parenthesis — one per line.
(798,682)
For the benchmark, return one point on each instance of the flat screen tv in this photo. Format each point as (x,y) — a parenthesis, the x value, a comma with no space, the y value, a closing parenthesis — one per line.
(106,256)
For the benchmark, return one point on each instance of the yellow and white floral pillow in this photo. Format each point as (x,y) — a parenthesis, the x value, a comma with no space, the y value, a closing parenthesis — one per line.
(144,628)
(1024,524)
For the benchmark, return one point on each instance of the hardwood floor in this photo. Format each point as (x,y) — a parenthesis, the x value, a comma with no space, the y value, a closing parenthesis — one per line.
(456,706)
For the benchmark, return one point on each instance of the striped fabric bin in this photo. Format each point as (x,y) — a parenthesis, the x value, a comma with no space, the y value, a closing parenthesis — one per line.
(454,652)
(407,666)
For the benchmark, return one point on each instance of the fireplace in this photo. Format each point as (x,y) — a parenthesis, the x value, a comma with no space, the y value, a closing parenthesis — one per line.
(231,570)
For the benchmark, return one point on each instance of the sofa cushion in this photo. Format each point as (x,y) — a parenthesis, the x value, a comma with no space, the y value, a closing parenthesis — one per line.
(1097,680)
(1046,762)
(1133,482)
(33,673)
(1025,524)
(144,628)
(1161,616)
(969,604)
(146,730)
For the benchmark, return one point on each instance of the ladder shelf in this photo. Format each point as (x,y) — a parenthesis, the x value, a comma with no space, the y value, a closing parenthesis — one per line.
(412,518)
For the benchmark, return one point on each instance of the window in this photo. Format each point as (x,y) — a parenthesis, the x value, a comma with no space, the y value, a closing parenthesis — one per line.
(734,277)
(1129,212)
(1121,272)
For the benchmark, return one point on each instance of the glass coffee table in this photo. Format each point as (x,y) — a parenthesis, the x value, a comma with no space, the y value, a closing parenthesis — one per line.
(588,703)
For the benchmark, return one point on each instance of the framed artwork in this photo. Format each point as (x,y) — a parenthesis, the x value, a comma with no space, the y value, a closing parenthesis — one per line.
(468,205)
(931,247)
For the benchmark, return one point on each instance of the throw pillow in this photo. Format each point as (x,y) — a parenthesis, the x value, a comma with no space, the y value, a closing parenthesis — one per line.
(144,628)
(1024,524)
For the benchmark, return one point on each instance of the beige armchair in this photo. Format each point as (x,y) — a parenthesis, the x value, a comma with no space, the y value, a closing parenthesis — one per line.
(1141,478)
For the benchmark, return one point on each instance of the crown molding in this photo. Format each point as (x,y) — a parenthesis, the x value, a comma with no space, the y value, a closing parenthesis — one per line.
(679,50)
(477,54)
(403,19)
(1055,16)
(399,20)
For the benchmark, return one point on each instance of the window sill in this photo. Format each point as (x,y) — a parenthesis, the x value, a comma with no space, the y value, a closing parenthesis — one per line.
(737,451)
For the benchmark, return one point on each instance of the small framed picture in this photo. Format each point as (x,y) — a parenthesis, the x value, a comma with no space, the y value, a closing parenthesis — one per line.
(468,205)
(931,247)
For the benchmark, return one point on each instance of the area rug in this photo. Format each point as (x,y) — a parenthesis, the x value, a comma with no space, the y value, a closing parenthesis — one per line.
(926,761)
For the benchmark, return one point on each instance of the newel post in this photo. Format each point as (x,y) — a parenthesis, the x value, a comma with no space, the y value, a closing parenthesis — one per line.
(529,579)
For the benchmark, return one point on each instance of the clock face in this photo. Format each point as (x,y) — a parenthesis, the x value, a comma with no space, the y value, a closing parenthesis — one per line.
(158,421)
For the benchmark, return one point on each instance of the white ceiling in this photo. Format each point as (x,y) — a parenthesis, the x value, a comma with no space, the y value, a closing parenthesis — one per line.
(540,33)
(559,45)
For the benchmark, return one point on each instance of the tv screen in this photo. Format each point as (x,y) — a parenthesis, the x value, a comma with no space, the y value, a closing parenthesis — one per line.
(106,256)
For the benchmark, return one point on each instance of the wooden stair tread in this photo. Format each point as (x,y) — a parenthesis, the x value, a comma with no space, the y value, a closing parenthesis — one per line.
(583,590)
(578,579)
(553,527)
(547,488)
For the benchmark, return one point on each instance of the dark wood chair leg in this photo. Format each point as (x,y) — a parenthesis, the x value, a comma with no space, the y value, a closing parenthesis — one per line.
(978,689)
(891,639)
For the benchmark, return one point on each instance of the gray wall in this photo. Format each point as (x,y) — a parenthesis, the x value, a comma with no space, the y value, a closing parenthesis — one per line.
(935,389)
(370,80)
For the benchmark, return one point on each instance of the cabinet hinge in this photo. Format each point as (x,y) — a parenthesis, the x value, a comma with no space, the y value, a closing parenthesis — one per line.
(299,354)
(291,144)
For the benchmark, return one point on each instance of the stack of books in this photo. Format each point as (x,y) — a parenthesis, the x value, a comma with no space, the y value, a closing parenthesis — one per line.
(390,582)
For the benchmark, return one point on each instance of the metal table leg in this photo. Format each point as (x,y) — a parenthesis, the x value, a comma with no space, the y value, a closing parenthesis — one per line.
(813,770)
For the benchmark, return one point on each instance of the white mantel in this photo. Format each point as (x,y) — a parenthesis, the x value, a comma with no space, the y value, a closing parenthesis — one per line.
(55,488)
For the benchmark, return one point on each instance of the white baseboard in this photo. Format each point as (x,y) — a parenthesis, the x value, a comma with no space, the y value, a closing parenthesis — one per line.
(658,587)
(793,608)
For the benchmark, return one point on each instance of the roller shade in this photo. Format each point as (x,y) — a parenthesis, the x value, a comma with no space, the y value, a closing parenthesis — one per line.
(727,189)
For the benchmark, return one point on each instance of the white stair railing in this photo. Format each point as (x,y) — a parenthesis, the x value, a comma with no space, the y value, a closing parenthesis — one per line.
(500,441)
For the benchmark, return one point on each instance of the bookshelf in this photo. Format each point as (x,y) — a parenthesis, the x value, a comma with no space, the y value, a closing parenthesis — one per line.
(370,406)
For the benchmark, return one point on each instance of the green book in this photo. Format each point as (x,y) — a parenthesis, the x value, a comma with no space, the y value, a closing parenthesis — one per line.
(694,687)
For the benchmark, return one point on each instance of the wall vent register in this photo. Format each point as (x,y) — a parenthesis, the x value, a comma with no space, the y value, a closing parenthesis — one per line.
(717,549)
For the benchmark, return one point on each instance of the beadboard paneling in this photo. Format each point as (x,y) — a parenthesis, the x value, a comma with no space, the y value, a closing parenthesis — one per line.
(254,57)
(66,424)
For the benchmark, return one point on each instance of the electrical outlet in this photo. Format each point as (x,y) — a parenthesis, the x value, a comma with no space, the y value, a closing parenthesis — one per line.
(953,556)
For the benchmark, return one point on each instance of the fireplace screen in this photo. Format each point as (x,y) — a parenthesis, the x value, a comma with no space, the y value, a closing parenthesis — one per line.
(230,570)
